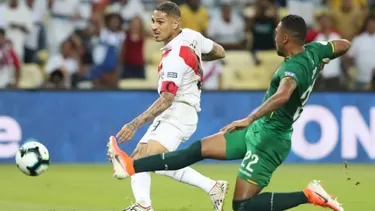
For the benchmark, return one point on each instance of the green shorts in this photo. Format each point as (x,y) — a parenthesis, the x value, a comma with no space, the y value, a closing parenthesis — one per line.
(261,152)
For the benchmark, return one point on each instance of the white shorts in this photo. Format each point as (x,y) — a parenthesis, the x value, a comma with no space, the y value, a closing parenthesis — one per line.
(173,126)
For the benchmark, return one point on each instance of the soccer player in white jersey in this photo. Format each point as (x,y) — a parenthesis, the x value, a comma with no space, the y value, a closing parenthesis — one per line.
(174,113)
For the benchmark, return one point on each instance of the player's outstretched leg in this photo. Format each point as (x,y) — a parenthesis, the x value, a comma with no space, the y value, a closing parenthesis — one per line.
(247,197)
(211,147)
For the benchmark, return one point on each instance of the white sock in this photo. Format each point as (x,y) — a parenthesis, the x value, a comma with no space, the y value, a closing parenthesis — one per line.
(141,185)
(190,176)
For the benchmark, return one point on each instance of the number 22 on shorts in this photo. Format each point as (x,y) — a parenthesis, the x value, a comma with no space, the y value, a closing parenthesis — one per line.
(249,160)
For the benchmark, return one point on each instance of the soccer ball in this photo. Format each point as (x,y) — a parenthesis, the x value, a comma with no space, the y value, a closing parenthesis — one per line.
(32,158)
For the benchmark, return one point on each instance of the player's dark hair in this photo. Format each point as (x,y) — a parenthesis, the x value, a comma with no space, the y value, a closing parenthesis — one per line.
(296,25)
(2,31)
(169,8)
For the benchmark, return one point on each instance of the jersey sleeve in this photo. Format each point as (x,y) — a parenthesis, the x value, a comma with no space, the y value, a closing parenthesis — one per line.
(174,69)
(289,70)
(207,44)
(326,49)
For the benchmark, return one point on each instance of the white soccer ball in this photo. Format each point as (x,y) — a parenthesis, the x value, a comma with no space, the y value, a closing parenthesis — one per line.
(32,158)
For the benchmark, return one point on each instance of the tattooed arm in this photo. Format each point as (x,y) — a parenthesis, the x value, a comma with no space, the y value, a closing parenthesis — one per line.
(159,106)
(163,103)
(282,95)
(217,52)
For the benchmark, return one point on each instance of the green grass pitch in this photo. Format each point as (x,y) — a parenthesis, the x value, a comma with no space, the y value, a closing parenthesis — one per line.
(92,188)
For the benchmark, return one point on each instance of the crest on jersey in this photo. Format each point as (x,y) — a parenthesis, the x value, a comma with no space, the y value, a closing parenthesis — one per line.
(194,44)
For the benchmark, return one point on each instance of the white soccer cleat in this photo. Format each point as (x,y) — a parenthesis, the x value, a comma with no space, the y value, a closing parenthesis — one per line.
(316,195)
(118,159)
(138,207)
(217,194)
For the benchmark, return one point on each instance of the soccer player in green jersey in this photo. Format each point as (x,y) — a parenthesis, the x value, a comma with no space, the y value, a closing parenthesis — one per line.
(263,139)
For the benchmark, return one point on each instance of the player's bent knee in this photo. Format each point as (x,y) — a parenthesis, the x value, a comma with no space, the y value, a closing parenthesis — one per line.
(238,205)
(244,205)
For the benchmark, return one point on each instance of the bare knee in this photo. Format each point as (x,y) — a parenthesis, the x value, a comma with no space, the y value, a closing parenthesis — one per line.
(147,149)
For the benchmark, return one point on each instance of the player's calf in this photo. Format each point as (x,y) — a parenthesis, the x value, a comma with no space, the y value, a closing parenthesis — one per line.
(313,194)
(270,202)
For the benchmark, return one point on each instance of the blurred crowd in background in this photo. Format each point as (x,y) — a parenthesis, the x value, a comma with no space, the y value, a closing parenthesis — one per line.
(108,44)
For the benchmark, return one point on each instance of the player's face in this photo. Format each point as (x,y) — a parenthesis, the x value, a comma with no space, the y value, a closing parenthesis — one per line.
(163,26)
(281,38)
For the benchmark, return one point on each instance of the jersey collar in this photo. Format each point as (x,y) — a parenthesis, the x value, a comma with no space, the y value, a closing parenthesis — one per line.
(171,43)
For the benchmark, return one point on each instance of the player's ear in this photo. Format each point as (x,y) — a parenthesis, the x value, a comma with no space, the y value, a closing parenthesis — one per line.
(176,23)
(285,38)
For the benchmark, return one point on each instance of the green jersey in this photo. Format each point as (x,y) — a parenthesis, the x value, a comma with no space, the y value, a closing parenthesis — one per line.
(304,68)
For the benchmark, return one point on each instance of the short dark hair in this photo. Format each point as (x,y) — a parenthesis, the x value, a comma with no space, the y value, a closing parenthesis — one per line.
(296,25)
(170,8)
(2,31)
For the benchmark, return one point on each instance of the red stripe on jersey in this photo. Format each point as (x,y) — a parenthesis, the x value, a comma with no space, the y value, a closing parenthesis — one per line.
(165,54)
(191,59)
(169,86)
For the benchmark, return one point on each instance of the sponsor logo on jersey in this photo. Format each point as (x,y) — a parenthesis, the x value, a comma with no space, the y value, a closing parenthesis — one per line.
(172,75)
(290,74)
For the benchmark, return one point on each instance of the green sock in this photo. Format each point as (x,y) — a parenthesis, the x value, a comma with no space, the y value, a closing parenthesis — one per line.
(271,202)
(171,160)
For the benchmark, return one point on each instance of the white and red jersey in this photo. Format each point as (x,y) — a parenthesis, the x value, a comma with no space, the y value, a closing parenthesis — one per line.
(9,57)
(9,62)
(180,68)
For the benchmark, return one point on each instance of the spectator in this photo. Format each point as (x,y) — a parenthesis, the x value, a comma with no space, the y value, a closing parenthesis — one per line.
(10,65)
(85,8)
(348,19)
(133,50)
(106,54)
(194,16)
(3,7)
(361,54)
(64,17)
(228,28)
(129,9)
(62,65)
(330,77)
(262,26)
(212,75)
(36,38)
(336,4)
(87,36)
(19,24)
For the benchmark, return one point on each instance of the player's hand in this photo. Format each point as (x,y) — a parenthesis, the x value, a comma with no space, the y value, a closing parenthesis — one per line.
(237,125)
(127,132)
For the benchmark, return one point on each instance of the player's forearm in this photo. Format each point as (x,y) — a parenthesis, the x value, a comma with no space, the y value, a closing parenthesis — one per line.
(217,52)
(273,103)
(340,47)
(159,106)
